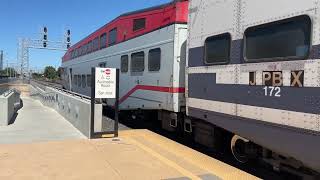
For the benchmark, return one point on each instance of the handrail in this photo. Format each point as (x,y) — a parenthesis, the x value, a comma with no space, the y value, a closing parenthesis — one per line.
(63,90)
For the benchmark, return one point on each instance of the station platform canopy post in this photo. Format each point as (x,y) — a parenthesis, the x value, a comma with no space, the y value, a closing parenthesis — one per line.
(105,85)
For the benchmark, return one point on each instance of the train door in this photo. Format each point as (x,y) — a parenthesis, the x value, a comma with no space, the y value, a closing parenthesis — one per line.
(178,76)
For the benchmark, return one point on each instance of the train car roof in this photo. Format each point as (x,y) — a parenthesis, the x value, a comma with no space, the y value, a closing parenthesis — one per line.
(123,16)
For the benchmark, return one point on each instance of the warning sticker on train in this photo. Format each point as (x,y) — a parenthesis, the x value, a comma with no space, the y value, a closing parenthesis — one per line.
(105,83)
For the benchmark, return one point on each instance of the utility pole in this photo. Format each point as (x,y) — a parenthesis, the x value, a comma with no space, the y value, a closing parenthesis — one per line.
(1,60)
(7,67)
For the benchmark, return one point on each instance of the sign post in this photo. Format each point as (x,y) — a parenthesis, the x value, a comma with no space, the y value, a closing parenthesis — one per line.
(105,85)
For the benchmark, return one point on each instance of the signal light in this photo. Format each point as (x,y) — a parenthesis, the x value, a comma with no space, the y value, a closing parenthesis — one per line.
(68,38)
(45,36)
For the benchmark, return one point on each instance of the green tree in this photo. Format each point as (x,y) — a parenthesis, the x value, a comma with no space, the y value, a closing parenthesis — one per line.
(36,75)
(9,71)
(50,72)
(60,71)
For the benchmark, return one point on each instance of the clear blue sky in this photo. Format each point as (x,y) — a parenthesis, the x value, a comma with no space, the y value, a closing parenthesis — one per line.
(24,18)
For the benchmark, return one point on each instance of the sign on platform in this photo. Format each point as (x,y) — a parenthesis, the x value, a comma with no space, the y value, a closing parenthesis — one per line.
(105,83)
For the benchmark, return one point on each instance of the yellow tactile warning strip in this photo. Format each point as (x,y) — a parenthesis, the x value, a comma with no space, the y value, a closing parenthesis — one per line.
(180,157)
(167,161)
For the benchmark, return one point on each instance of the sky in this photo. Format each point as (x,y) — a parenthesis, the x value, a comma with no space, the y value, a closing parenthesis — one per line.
(25,19)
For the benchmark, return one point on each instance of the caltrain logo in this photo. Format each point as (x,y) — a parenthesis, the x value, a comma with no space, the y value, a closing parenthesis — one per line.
(106,72)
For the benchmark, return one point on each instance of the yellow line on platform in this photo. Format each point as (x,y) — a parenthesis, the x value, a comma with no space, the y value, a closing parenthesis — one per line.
(205,162)
(166,161)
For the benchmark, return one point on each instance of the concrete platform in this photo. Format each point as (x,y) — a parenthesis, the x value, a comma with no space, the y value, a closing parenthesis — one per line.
(137,154)
(37,123)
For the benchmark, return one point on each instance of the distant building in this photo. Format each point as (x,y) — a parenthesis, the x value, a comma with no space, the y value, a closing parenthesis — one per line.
(1,60)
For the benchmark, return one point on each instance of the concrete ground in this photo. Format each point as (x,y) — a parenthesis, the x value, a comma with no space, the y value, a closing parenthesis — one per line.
(42,145)
(137,154)
(36,123)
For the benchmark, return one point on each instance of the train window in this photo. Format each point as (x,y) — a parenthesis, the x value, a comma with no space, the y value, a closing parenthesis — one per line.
(113,36)
(82,50)
(89,80)
(124,63)
(139,24)
(74,80)
(154,59)
(72,54)
(86,49)
(137,62)
(83,81)
(95,43)
(89,47)
(286,39)
(217,49)
(79,51)
(103,41)
(76,53)
(79,80)
(102,65)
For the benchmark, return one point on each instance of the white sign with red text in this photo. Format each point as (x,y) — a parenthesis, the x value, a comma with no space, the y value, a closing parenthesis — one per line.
(105,83)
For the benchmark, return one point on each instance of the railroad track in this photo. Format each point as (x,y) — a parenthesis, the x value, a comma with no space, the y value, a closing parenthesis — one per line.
(49,83)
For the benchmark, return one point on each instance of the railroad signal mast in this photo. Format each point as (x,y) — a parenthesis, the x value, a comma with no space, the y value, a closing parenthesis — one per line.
(25,44)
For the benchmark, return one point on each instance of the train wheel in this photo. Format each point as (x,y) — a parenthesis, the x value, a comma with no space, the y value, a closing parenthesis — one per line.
(238,149)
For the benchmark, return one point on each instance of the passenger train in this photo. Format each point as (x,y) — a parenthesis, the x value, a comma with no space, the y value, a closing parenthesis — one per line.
(244,72)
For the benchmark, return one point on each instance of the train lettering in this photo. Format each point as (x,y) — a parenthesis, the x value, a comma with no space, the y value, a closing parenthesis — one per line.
(275,78)
(272,78)
(272,91)
(252,79)
(297,78)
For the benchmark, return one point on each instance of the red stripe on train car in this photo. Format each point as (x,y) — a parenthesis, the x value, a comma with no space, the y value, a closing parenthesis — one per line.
(172,90)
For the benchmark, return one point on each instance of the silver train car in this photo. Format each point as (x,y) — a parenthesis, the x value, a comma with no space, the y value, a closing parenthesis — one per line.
(244,73)
(253,69)
(149,48)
